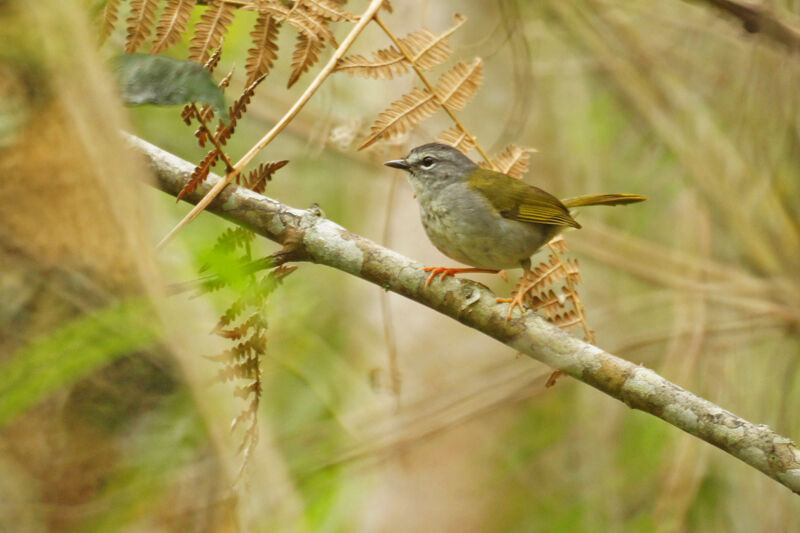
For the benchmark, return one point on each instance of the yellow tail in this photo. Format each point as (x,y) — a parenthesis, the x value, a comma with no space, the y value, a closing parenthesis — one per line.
(603,199)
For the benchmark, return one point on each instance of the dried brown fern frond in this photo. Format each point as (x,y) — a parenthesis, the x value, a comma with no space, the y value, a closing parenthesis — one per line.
(566,320)
(140,23)
(402,115)
(453,91)
(257,179)
(213,25)
(264,52)
(236,111)
(456,87)
(172,24)
(564,309)
(425,48)
(428,50)
(304,21)
(457,138)
(200,173)
(306,53)
(328,10)
(543,276)
(310,24)
(514,160)
(188,113)
(108,18)
(385,64)
(211,64)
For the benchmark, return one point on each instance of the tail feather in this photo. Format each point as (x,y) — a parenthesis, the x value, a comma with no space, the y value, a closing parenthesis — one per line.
(603,199)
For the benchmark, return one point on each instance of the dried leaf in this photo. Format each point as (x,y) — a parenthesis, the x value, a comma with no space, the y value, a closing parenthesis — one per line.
(566,320)
(226,81)
(426,50)
(248,370)
(559,243)
(385,64)
(328,10)
(188,114)
(402,115)
(140,23)
(456,87)
(210,29)
(306,53)
(236,111)
(200,173)
(546,274)
(514,160)
(213,61)
(305,22)
(110,15)
(257,179)
(172,24)
(457,139)
(260,58)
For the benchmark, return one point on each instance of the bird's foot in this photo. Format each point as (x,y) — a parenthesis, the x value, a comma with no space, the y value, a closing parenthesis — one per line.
(516,301)
(443,272)
(520,292)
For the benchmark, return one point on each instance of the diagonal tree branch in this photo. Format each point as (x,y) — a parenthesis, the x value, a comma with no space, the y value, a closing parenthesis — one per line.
(319,240)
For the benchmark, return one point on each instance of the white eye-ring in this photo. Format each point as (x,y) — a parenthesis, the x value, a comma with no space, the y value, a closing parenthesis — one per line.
(427,162)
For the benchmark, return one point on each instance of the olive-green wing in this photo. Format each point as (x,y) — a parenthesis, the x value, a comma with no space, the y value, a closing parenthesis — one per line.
(516,200)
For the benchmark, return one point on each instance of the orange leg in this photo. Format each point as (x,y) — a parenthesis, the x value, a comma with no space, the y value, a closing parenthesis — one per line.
(444,272)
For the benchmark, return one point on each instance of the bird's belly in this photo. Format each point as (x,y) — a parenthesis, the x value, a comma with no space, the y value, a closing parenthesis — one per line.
(479,239)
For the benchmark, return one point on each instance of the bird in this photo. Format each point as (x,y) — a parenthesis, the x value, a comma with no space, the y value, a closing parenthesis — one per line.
(484,218)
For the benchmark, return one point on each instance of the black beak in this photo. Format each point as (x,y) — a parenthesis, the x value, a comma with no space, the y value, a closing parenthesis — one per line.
(398,163)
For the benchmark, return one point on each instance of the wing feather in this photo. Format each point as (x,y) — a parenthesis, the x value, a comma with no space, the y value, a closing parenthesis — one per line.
(520,201)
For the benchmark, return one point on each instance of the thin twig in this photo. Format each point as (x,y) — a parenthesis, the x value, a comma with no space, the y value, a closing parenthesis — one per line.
(368,15)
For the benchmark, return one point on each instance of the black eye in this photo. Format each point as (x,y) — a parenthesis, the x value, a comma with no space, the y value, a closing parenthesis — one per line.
(427,162)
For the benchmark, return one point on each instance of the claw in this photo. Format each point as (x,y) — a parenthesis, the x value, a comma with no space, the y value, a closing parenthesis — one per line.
(516,301)
(440,271)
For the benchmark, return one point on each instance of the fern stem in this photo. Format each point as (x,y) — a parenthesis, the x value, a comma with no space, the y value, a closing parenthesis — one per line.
(430,87)
(367,16)
(211,137)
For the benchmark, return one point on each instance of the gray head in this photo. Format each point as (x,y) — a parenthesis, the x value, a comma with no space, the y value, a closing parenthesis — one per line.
(435,164)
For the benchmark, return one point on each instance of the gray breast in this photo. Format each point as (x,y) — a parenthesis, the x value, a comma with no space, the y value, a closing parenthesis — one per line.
(464,226)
